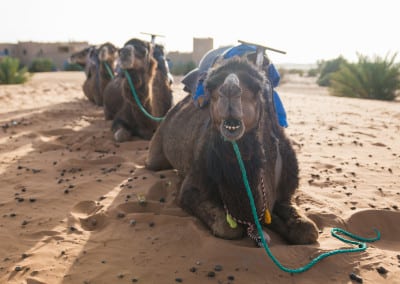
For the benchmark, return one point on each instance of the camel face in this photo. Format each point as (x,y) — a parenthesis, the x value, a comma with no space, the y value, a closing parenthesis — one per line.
(234,108)
(81,56)
(133,56)
(108,52)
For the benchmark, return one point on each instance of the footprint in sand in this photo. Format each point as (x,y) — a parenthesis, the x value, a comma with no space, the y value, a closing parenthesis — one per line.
(363,223)
(86,215)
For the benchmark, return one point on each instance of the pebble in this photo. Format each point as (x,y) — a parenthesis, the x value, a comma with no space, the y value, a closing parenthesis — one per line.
(179,280)
(211,274)
(355,277)
(218,267)
(382,270)
(193,269)
(18,268)
(231,277)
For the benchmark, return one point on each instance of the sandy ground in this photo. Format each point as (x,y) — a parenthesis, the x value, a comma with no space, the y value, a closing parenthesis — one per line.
(76,207)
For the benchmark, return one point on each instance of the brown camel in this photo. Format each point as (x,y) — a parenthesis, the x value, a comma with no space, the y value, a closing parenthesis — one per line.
(162,84)
(161,88)
(149,73)
(99,71)
(137,62)
(197,142)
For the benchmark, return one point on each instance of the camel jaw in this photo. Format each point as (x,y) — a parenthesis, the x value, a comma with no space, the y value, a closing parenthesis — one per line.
(232,129)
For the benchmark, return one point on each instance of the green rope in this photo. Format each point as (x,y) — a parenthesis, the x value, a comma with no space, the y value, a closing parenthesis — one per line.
(135,96)
(109,71)
(361,243)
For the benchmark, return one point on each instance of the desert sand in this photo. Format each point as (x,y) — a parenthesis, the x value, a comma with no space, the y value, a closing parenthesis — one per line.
(76,207)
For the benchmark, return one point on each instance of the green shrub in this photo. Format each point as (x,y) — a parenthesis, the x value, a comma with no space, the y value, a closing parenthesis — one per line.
(182,68)
(42,65)
(11,72)
(377,78)
(314,72)
(72,67)
(326,68)
(299,72)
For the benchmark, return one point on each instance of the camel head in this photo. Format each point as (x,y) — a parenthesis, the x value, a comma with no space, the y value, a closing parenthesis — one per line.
(134,54)
(108,52)
(235,88)
(81,57)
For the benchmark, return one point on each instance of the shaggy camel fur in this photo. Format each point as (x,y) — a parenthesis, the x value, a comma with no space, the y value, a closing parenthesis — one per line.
(98,75)
(196,142)
(149,73)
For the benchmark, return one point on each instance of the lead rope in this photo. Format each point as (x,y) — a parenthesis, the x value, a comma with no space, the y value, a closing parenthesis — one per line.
(335,232)
(135,96)
(108,68)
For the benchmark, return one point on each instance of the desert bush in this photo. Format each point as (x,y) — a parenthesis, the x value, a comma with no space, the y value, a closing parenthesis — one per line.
(377,78)
(11,72)
(314,72)
(295,71)
(327,68)
(72,67)
(182,68)
(42,65)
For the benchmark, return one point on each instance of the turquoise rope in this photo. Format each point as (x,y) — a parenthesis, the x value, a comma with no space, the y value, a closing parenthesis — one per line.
(135,96)
(361,243)
(108,69)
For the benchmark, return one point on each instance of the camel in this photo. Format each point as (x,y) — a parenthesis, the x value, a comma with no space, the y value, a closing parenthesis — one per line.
(81,57)
(150,75)
(162,83)
(196,141)
(137,63)
(99,71)
(161,88)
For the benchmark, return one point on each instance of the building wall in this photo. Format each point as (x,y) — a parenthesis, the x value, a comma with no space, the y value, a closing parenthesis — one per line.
(26,52)
(179,58)
(7,49)
(200,47)
(59,52)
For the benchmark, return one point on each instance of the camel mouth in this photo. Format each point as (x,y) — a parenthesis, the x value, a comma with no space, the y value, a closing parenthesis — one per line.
(232,129)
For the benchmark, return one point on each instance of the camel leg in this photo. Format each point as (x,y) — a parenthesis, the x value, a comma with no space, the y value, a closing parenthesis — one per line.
(156,159)
(196,201)
(292,226)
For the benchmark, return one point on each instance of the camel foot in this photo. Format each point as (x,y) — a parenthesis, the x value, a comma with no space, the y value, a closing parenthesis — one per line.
(220,228)
(292,226)
(122,135)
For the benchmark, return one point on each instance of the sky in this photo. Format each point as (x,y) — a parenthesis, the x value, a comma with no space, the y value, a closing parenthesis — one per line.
(308,30)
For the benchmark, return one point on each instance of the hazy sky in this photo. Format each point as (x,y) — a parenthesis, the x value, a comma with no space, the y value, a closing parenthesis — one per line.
(308,30)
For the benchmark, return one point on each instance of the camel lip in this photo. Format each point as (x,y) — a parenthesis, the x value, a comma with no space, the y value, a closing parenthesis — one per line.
(126,63)
(232,129)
